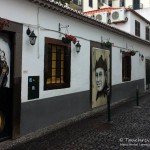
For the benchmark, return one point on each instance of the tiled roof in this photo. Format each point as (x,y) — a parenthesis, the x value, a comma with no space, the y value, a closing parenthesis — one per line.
(55,6)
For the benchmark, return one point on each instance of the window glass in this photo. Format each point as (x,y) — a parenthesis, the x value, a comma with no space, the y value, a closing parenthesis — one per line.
(147,33)
(126,67)
(56,64)
(137,28)
(90,3)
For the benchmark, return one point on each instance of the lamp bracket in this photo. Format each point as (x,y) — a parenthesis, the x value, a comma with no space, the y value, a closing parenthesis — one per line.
(60,26)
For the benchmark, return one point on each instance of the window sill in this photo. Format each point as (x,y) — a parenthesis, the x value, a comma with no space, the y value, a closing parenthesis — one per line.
(56,86)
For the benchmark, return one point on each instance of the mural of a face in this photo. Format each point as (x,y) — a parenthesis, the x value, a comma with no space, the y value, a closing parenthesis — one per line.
(100,72)
(100,78)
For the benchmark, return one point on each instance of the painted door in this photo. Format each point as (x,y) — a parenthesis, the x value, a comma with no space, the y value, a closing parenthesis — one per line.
(147,73)
(100,76)
(5,86)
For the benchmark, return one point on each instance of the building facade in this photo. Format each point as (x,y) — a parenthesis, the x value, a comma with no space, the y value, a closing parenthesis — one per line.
(125,19)
(97,4)
(50,80)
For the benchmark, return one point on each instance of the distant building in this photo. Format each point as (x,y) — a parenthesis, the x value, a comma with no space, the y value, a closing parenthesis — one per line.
(89,5)
(125,19)
(76,4)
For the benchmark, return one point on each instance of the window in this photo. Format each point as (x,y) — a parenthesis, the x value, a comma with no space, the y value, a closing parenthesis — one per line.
(110,3)
(90,3)
(137,28)
(56,64)
(136,4)
(77,2)
(122,3)
(147,33)
(126,67)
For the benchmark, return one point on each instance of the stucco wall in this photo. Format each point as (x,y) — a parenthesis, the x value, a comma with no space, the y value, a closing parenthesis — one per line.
(33,56)
(146,3)
(145,13)
(129,26)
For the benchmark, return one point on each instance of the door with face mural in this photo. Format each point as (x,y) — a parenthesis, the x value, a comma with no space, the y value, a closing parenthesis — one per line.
(100,76)
(5,85)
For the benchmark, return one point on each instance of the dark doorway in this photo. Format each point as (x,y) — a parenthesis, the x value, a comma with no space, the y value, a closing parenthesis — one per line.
(6,83)
(147,73)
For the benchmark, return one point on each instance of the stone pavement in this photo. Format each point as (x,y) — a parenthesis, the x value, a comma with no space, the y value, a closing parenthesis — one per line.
(129,129)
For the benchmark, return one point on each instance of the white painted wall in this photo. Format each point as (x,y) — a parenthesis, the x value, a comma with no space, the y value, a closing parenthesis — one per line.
(115,3)
(124,26)
(146,3)
(33,56)
(128,3)
(86,5)
(143,24)
(145,13)
(129,26)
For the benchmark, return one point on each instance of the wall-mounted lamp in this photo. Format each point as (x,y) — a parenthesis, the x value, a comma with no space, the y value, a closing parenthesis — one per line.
(32,36)
(141,56)
(78,47)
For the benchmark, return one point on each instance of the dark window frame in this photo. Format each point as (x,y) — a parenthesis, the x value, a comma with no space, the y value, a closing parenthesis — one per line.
(110,3)
(122,3)
(90,3)
(147,33)
(137,28)
(126,67)
(49,42)
(136,4)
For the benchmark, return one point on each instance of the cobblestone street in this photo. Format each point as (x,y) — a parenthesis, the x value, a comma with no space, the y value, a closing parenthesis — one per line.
(129,129)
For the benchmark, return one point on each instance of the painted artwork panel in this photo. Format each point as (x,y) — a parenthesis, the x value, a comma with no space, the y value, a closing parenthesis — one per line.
(4,62)
(100,76)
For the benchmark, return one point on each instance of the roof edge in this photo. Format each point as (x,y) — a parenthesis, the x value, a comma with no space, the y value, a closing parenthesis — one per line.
(80,16)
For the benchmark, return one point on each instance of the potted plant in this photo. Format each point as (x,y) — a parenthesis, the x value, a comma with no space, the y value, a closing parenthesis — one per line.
(69,38)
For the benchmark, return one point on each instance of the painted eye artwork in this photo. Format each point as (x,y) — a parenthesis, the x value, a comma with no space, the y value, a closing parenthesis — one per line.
(4,69)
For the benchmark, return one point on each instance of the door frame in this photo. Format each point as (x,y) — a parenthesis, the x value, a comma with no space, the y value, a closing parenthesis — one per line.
(146,58)
(17,30)
(101,46)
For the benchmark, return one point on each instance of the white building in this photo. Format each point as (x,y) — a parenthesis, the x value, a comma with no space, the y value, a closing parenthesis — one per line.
(89,5)
(51,82)
(124,19)
(144,12)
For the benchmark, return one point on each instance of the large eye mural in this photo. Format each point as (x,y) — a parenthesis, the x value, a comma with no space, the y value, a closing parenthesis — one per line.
(100,76)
